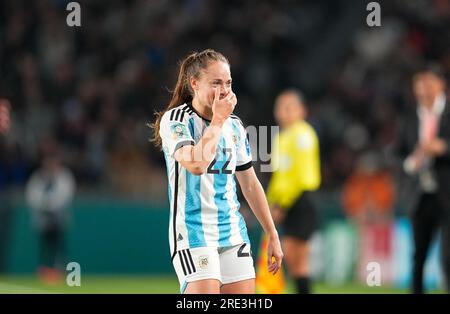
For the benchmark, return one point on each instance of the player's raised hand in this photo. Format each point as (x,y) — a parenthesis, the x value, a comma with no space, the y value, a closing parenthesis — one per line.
(222,108)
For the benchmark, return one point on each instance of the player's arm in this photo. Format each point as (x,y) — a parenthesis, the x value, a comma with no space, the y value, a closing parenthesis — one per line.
(196,158)
(254,194)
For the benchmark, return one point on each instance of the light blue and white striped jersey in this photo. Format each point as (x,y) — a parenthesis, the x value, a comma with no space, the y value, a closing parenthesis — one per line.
(204,210)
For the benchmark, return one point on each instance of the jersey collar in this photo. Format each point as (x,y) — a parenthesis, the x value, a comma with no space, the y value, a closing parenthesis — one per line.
(198,114)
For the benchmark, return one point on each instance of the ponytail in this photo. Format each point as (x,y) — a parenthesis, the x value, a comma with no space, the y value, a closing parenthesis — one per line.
(183,93)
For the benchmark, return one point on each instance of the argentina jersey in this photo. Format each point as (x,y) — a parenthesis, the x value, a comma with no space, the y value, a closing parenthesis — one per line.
(204,210)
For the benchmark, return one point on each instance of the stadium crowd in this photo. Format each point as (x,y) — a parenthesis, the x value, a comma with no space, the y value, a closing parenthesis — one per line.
(93,88)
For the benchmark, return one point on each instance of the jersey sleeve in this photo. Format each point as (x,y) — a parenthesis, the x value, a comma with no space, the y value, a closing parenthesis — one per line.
(174,133)
(243,154)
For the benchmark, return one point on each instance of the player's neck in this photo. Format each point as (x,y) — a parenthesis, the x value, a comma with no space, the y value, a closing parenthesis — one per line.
(289,124)
(203,110)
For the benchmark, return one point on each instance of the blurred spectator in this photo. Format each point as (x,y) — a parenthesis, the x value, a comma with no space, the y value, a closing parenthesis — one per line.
(369,193)
(82,84)
(49,194)
(368,199)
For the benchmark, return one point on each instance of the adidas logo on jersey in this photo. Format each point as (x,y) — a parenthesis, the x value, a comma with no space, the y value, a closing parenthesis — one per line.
(180,237)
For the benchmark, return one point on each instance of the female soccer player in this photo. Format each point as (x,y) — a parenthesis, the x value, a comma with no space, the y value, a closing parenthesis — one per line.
(204,146)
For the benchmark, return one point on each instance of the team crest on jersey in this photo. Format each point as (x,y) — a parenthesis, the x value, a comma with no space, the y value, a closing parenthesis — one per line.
(178,131)
(235,138)
(203,261)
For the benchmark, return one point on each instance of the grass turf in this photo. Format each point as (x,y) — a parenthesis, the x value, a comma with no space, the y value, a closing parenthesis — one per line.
(154,284)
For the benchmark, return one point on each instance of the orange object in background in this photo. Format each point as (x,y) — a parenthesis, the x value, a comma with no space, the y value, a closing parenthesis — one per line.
(51,276)
(368,194)
(266,282)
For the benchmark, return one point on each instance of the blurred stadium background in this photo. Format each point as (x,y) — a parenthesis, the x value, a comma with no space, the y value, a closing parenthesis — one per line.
(90,91)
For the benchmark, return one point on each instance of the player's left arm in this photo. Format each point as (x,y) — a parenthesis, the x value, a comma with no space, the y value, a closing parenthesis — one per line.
(256,198)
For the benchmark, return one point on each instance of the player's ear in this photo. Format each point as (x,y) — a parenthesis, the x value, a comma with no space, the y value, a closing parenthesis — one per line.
(193,82)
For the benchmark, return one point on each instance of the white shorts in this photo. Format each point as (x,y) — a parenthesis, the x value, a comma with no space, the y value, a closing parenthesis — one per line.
(227,264)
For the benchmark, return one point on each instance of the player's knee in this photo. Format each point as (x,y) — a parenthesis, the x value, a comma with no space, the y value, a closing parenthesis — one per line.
(208,286)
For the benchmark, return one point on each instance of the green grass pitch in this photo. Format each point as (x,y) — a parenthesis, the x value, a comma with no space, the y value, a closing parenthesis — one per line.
(116,284)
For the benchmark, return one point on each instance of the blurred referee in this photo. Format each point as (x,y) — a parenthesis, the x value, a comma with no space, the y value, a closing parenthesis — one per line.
(296,166)
(425,142)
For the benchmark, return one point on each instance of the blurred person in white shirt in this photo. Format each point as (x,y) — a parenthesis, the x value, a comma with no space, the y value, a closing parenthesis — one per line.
(49,193)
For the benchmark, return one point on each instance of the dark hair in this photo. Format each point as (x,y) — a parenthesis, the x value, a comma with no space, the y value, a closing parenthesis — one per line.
(296,92)
(189,67)
(432,68)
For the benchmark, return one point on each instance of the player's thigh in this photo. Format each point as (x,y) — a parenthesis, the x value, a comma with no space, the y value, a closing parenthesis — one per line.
(237,269)
(240,287)
(198,270)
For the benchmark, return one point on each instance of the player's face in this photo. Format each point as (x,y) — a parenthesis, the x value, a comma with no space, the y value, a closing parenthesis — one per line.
(216,75)
(426,87)
(288,109)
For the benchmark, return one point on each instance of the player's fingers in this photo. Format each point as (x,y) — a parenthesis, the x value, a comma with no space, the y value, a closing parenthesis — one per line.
(217,94)
(280,257)
(273,264)
(269,258)
(274,268)
(279,262)
(234,99)
(229,98)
